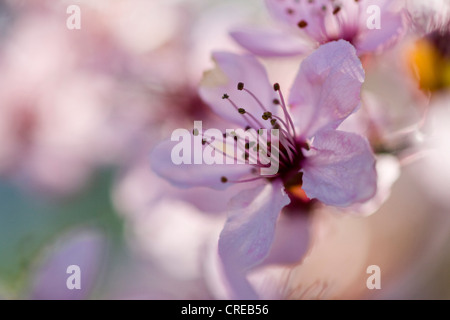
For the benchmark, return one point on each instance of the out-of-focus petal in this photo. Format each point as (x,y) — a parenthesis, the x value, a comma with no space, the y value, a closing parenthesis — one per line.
(271,43)
(340,170)
(428,16)
(173,236)
(393,26)
(230,70)
(327,88)
(194,175)
(85,250)
(249,232)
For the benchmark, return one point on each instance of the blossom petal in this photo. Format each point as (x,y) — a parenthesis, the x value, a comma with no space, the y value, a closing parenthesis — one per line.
(291,239)
(194,175)
(249,232)
(84,249)
(230,70)
(271,43)
(340,170)
(393,26)
(327,88)
(388,171)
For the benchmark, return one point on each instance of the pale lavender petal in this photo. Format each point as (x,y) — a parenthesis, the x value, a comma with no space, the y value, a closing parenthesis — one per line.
(393,27)
(85,250)
(279,10)
(340,170)
(388,171)
(249,232)
(230,70)
(327,88)
(271,43)
(194,175)
(291,239)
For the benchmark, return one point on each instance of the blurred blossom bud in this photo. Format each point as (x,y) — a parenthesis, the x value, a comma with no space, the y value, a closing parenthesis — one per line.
(84,249)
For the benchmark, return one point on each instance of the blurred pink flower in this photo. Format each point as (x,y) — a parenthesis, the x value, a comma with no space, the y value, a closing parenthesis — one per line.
(335,167)
(429,16)
(308,24)
(72,100)
(85,249)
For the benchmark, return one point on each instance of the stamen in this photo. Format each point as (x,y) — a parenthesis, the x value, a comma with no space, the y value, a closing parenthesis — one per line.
(287,148)
(242,111)
(252,179)
(223,142)
(254,161)
(281,120)
(254,97)
(276,87)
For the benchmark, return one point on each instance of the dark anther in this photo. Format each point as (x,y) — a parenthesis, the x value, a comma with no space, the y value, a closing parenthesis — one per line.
(247,128)
(302,24)
(276,101)
(224,180)
(267,115)
(248,145)
(336,10)
(225,96)
(195,132)
(273,122)
(241,110)
(240,86)
(276,86)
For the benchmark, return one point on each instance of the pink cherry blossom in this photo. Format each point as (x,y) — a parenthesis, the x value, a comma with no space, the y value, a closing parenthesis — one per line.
(335,167)
(307,24)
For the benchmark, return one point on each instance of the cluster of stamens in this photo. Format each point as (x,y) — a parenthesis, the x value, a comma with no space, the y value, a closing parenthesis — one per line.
(295,13)
(288,150)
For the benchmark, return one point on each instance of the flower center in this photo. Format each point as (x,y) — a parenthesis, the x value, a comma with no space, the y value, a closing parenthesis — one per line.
(430,61)
(320,18)
(283,147)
